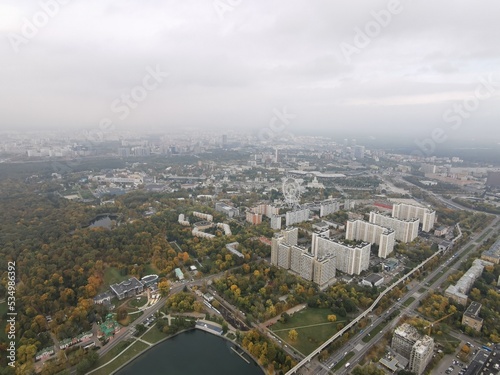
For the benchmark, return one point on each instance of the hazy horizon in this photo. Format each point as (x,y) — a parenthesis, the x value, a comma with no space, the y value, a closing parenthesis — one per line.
(374,68)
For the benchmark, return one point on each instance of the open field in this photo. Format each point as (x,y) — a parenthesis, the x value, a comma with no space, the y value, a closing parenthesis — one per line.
(153,335)
(312,326)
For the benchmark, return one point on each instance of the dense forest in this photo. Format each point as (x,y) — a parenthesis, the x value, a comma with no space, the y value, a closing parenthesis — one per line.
(61,262)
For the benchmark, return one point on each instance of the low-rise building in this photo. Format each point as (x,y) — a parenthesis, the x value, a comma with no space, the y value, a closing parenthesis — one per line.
(179,274)
(226,209)
(471,317)
(493,253)
(459,291)
(127,288)
(373,280)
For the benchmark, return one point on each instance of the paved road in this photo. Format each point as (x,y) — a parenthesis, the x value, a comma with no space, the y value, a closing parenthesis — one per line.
(323,368)
(126,332)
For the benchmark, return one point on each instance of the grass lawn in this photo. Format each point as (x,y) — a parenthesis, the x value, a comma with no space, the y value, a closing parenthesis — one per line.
(111,276)
(374,332)
(422,290)
(312,326)
(446,338)
(343,361)
(112,353)
(153,335)
(131,352)
(133,314)
(138,301)
(409,301)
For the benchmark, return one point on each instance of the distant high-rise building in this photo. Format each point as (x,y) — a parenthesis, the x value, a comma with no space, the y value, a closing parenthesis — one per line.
(224,140)
(493,179)
(124,152)
(359,152)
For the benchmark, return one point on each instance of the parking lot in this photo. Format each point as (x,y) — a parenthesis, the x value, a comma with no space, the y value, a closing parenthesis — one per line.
(450,364)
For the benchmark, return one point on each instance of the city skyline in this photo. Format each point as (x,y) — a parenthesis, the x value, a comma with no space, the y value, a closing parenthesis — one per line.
(377,68)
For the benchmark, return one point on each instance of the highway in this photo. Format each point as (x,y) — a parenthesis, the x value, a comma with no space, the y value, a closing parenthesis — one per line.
(323,368)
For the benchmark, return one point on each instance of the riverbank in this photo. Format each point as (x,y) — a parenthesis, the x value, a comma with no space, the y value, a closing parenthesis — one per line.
(183,346)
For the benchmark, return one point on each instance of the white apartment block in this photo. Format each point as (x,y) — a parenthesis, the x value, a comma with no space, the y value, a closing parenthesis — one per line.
(405,230)
(291,235)
(373,233)
(266,210)
(421,354)
(324,270)
(306,266)
(328,207)
(275,222)
(349,259)
(284,256)
(296,216)
(296,258)
(203,216)
(405,211)
(275,242)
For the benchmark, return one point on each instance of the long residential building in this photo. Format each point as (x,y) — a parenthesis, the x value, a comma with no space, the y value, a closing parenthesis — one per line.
(373,233)
(405,211)
(328,207)
(405,230)
(350,259)
(285,253)
(461,289)
(296,216)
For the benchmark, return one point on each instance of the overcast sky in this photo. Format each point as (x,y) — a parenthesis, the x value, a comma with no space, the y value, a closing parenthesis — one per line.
(335,65)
